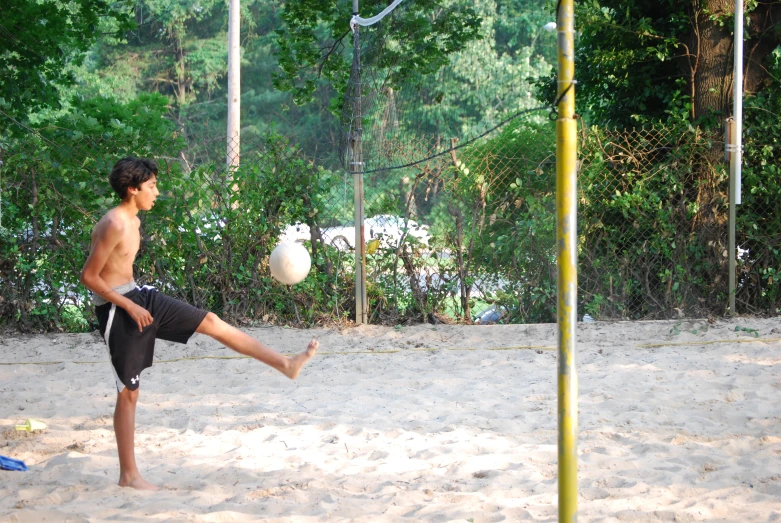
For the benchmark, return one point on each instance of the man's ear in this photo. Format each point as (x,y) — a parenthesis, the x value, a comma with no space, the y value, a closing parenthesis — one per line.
(132,191)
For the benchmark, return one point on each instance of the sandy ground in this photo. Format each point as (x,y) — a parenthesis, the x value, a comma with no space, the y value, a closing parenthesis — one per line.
(395,425)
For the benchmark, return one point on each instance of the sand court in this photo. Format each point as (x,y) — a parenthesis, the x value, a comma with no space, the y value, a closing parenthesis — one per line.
(679,421)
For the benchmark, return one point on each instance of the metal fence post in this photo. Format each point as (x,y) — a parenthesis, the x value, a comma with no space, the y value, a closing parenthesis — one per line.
(357,168)
(735,156)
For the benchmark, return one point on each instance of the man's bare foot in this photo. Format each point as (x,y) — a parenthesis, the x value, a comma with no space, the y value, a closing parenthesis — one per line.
(137,483)
(299,360)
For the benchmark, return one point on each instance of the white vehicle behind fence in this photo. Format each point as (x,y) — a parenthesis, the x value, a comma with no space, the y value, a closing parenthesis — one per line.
(388,229)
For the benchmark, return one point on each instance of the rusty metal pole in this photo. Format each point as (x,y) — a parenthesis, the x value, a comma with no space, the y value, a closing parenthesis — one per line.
(357,168)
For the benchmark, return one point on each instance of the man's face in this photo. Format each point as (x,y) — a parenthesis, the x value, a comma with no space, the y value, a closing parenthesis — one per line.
(146,194)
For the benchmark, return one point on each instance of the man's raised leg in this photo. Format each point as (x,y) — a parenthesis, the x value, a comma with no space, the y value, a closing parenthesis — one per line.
(124,430)
(234,339)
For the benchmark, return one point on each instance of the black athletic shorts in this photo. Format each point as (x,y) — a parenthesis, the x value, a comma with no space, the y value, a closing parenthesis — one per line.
(132,350)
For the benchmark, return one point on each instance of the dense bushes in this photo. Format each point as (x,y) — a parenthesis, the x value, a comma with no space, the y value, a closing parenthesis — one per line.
(759,217)
(505,191)
(54,188)
(206,241)
(652,223)
(652,220)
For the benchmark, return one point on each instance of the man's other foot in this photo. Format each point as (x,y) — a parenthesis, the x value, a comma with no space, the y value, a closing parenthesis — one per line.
(295,363)
(137,483)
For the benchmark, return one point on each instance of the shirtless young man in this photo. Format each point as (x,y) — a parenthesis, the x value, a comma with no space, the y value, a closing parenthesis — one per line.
(131,318)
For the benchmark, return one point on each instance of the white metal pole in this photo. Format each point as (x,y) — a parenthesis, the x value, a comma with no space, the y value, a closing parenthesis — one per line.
(234,84)
(736,155)
(738,97)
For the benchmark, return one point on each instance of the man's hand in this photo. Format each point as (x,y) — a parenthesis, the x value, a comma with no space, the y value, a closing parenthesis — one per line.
(140,315)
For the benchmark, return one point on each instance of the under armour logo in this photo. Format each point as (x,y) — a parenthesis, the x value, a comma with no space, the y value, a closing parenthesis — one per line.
(135,380)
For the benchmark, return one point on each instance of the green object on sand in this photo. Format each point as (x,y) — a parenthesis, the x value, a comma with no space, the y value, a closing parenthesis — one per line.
(755,332)
(31,425)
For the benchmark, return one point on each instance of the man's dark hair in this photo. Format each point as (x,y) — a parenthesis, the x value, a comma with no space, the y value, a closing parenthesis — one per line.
(131,172)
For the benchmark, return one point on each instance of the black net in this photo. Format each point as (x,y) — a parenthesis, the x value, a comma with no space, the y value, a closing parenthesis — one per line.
(412,95)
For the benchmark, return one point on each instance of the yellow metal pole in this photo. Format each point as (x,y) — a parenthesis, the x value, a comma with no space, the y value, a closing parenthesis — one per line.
(566,257)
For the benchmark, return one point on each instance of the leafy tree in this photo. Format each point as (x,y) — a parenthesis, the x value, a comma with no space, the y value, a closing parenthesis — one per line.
(178,49)
(204,242)
(483,84)
(312,44)
(759,219)
(40,41)
(639,59)
(54,190)
(518,27)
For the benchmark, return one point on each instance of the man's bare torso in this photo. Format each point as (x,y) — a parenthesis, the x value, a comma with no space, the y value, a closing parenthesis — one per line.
(118,269)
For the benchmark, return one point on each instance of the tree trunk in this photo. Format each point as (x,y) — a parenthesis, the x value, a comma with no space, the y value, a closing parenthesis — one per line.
(709,65)
(762,32)
(709,62)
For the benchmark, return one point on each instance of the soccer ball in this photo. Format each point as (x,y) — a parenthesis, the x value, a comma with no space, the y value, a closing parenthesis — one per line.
(289,263)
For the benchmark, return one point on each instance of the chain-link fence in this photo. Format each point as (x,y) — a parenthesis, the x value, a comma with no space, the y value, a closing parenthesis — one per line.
(466,235)
(653,206)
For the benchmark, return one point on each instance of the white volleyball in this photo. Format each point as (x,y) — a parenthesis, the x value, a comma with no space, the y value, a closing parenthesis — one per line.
(289,263)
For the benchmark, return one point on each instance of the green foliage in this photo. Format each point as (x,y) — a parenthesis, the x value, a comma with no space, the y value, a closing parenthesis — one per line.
(52,199)
(140,120)
(628,68)
(424,34)
(652,204)
(594,307)
(649,212)
(507,187)
(210,237)
(483,85)
(758,217)
(640,62)
(752,332)
(652,220)
(178,49)
(42,40)
(206,242)
(518,27)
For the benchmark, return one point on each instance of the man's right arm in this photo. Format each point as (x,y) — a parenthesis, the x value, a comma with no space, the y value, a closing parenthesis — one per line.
(107,236)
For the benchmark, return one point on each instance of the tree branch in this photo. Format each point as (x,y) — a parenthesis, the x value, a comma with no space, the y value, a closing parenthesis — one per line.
(331,50)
